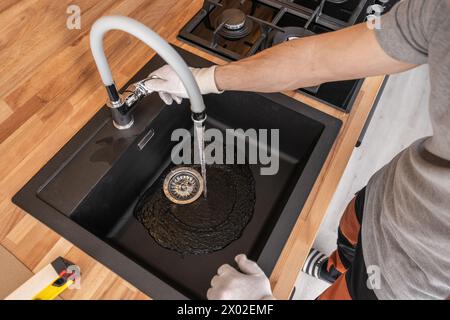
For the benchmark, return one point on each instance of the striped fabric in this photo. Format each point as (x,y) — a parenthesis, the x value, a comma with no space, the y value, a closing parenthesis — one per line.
(314,263)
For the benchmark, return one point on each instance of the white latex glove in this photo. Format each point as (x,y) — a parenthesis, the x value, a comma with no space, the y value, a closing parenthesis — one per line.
(250,283)
(169,86)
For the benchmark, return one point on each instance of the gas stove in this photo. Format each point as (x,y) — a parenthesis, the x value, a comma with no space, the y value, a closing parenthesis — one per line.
(235,29)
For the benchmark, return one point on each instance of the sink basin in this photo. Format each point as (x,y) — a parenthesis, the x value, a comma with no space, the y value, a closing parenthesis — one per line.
(87,192)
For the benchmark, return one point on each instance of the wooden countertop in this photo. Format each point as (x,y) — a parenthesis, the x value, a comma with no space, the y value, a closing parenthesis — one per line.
(49,88)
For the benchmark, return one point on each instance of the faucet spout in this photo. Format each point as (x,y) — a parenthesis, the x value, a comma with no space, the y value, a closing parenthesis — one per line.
(120,106)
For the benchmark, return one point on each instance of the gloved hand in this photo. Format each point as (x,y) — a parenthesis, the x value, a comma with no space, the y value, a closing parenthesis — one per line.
(169,86)
(250,283)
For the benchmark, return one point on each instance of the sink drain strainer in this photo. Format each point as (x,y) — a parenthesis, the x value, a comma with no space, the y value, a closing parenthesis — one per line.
(183,185)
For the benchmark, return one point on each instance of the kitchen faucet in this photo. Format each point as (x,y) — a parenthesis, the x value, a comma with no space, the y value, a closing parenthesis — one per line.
(121,105)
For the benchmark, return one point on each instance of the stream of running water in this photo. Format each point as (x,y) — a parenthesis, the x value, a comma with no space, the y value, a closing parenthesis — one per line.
(199,133)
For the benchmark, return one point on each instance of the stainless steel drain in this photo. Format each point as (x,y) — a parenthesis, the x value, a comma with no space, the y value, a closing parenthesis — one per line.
(183,185)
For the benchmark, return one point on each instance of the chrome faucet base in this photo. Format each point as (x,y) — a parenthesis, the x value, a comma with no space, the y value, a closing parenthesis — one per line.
(123,103)
(125,126)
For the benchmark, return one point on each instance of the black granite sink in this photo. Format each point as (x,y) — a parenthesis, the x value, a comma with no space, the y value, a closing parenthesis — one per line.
(88,190)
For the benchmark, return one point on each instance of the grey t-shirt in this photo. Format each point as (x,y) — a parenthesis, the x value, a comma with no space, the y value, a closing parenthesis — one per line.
(406,224)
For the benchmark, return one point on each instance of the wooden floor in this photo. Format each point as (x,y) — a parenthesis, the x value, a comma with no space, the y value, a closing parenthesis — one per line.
(49,89)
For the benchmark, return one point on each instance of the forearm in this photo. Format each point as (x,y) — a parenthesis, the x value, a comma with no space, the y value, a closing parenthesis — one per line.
(350,53)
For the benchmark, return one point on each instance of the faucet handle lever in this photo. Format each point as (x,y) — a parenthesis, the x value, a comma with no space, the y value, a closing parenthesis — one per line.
(143,81)
(136,91)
